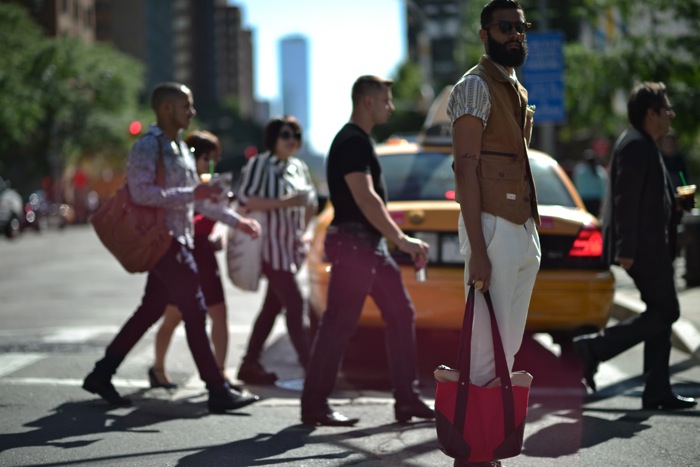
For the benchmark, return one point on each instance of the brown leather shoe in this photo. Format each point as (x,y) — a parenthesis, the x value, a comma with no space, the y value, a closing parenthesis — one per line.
(327,418)
(226,398)
(254,373)
(419,409)
(103,387)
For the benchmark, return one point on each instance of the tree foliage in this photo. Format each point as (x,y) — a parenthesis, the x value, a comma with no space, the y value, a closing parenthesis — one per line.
(656,40)
(60,99)
(411,99)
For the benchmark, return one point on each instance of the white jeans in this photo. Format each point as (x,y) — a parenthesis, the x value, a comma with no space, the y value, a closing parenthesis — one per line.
(514,252)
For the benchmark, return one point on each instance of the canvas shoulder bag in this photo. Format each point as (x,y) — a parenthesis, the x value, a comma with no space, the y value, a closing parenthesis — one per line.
(480,423)
(136,235)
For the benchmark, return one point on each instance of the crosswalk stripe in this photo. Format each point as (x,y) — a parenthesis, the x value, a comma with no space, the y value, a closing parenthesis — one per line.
(10,362)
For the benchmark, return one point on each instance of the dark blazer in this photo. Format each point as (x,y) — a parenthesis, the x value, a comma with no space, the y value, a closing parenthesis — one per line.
(640,215)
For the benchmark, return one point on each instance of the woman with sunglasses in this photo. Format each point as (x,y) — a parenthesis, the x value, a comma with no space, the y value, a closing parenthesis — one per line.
(280,185)
(207,151)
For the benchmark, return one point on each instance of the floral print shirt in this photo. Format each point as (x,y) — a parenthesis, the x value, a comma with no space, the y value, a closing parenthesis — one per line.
(176,196)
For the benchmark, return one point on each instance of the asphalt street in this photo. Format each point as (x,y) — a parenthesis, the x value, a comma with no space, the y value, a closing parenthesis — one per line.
(62,298)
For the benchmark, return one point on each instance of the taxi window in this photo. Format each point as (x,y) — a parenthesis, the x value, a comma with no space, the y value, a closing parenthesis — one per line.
(428,176)
(550,187)
(423,176)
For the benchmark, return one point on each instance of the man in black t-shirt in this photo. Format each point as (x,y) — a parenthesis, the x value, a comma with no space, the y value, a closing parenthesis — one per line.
(355,244)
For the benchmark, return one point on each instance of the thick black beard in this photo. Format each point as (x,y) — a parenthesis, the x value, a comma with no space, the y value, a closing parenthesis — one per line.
(503,56)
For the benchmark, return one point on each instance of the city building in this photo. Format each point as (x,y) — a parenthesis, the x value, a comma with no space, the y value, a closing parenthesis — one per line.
(64,18)
(432,29)
(200,43)
(294,78)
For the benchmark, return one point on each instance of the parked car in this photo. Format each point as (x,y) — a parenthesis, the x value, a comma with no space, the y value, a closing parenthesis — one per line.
(10,210)
(40,212)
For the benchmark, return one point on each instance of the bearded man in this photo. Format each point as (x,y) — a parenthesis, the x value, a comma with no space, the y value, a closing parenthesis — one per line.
(491,129)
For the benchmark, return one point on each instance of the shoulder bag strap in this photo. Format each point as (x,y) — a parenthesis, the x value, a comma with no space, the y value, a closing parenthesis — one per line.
(160,181)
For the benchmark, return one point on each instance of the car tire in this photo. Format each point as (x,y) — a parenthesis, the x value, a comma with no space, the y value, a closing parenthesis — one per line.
(12,227)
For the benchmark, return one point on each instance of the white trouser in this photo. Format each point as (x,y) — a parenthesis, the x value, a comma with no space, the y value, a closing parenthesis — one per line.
(514,252)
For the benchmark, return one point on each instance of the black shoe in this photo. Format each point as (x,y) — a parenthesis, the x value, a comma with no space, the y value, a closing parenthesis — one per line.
(158,379)
(671,402)
(589,362)
(327,418)
(254,373)
(419,409)
(226,398)
(104,388)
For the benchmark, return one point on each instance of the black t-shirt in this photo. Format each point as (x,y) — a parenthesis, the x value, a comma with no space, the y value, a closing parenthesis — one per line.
(351,151)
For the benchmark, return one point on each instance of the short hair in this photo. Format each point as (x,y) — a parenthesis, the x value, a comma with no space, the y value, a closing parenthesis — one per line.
(493,5)
(273,128)
(165,91)
(202,142)
(368,84)
(645,96)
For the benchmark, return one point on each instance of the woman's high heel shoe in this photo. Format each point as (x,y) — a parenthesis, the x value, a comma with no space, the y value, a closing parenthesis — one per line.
(162,382)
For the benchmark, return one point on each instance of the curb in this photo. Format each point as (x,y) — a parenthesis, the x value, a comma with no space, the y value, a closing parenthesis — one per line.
(685,336)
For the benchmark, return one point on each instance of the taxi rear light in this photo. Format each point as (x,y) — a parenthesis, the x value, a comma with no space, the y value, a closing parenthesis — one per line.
(588,244)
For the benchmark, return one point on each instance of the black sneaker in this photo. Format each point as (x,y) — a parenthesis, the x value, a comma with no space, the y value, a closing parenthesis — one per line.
(104,388)
(225,399)
(254,373)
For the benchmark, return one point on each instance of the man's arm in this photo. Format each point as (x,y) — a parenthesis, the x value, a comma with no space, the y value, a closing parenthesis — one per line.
(632,165)
(373,208)
(466,143)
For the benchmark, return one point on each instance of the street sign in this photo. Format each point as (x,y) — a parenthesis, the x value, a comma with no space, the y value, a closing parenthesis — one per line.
(543,75)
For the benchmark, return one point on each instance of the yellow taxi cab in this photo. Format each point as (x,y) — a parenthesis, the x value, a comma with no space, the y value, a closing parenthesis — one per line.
(574,288)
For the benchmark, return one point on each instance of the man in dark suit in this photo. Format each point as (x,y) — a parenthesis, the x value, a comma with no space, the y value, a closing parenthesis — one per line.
(638,227)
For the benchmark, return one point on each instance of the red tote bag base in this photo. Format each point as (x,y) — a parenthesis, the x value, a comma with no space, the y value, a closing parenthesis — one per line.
(480,423)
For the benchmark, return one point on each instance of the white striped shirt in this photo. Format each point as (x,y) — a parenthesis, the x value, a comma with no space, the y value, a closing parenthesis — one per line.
(470,96)
(267,176)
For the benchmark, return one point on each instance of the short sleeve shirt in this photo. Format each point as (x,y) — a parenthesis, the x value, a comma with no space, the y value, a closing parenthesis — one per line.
(470,96)
(352,151)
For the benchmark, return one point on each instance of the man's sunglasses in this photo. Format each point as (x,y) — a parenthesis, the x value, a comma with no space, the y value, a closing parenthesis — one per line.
(507,26)
(288,135)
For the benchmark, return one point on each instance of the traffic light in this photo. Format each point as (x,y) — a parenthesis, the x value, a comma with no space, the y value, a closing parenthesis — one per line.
(135,128)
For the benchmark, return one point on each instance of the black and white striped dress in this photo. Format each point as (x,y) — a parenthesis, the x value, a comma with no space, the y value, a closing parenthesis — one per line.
(267,176)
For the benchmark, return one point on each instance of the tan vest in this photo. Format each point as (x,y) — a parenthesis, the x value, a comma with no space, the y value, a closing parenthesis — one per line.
(507,187)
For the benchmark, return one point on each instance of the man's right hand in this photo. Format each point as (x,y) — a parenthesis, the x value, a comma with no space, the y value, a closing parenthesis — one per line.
(206,191)
(418,249)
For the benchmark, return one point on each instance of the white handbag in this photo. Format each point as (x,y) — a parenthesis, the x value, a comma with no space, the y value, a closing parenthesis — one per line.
(244,254)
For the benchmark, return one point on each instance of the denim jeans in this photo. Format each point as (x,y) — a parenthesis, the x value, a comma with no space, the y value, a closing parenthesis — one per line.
(282,292)
(173,280)
(361,266)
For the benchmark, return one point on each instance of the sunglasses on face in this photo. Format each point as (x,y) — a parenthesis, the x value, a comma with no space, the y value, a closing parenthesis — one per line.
(507,26)
(288,135)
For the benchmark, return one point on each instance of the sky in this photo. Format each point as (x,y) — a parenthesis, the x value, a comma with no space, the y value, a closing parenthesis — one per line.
(346,39)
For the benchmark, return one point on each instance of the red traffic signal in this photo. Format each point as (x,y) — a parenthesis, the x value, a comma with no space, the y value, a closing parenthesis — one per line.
(135,128)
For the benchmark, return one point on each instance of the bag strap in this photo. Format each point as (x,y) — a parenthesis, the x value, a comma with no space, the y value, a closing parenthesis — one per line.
(160,181)
(464,362)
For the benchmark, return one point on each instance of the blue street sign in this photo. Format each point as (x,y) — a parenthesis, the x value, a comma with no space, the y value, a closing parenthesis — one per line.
(543,75)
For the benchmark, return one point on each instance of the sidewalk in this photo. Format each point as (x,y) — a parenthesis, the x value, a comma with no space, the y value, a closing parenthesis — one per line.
(686,331)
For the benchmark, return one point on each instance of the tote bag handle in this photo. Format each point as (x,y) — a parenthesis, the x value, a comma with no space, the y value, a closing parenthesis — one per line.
(464,354)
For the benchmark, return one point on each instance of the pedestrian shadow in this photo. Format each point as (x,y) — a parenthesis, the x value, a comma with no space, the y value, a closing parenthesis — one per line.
(96,418)
(568,437)
(580,428)
(263,448)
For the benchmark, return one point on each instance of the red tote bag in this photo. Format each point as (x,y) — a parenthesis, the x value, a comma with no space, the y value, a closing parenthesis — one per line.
(480,423)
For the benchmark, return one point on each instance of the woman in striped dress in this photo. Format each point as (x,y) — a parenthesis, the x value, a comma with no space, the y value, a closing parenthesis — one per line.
(280,185)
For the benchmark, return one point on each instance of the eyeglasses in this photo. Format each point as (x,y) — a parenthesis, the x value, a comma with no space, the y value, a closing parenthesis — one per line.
(288,135)
(507,26)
